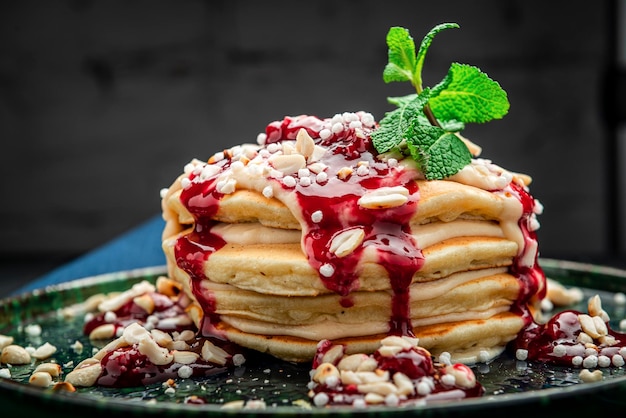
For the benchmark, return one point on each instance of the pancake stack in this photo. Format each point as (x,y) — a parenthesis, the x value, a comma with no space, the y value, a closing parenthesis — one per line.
(310,234)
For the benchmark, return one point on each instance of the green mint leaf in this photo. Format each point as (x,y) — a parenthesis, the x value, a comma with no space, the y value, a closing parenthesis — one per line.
(439,154)
(421,53)
(401,65)
(468,95)
(396,125)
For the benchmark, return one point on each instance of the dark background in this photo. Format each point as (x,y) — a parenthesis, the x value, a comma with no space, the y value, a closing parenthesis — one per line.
(102,103)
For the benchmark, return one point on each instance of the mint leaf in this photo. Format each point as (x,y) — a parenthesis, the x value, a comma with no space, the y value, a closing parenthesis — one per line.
(421,54)
(396,125)
(468,95)
(401,65)
(439,153)
(424,123)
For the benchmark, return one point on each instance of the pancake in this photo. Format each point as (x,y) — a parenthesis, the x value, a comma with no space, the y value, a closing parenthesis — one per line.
(312,235)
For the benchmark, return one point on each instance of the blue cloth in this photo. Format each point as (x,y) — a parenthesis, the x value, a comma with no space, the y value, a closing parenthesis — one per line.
(140,247)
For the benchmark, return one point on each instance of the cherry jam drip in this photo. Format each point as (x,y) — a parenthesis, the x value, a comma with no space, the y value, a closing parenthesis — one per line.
(130,312)
(416,363)
(385,230)
(191,251)
(128,367)
(530,275)
(562,331)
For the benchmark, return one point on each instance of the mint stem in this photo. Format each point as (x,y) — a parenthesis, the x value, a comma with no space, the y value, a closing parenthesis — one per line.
(430,116)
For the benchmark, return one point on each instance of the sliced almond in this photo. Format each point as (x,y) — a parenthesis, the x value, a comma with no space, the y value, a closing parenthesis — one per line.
(385,197)
(288,164)
(347,241)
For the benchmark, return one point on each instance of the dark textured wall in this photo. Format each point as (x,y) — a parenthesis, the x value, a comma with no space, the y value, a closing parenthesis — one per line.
(103,102)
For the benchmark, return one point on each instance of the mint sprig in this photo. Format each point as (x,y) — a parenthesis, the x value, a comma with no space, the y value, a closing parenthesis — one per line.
(423,125)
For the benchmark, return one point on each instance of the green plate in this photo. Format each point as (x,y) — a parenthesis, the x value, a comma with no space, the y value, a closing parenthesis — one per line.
(527,387)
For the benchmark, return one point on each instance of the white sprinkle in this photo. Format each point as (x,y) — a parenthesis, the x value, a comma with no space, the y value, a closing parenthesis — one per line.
(356,124)
(163,192)
(185,372)
(392,162)
(423,388)
(590,362)
(445,358)
(337,118)
(348,117)
(617,360)
(327,270)
(273,147)
(332,381)
(337,127)
(237,166)
(317,216)
(268,192)
(367,119)
(619,298)
(305,181)
(289,181)
(320,399)
(226,186)
(362,170)
(325,134)
(590,351)
(185,183)
(359,403)
(622,352)
(448,379)
(577,360)
(392,400)
(321,178)
(604,361)
(170,391)
(559,350)
(110,316)
(261,138)
(188,168)
(521,354)
(304,172)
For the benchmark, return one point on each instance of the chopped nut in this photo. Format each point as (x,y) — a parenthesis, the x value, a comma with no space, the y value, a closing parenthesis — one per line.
(384,197)
(85,374)
(185,357)
(334,354)
(213,353)
(288,164)
(64,386)
(145,302)
(588,325)
(324,372)
(304,143)
(53,369)
(587,376)
(44,351)
(102,332)
(345,242)
(5,340)
(41,379)
(168,287)
(14,354)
